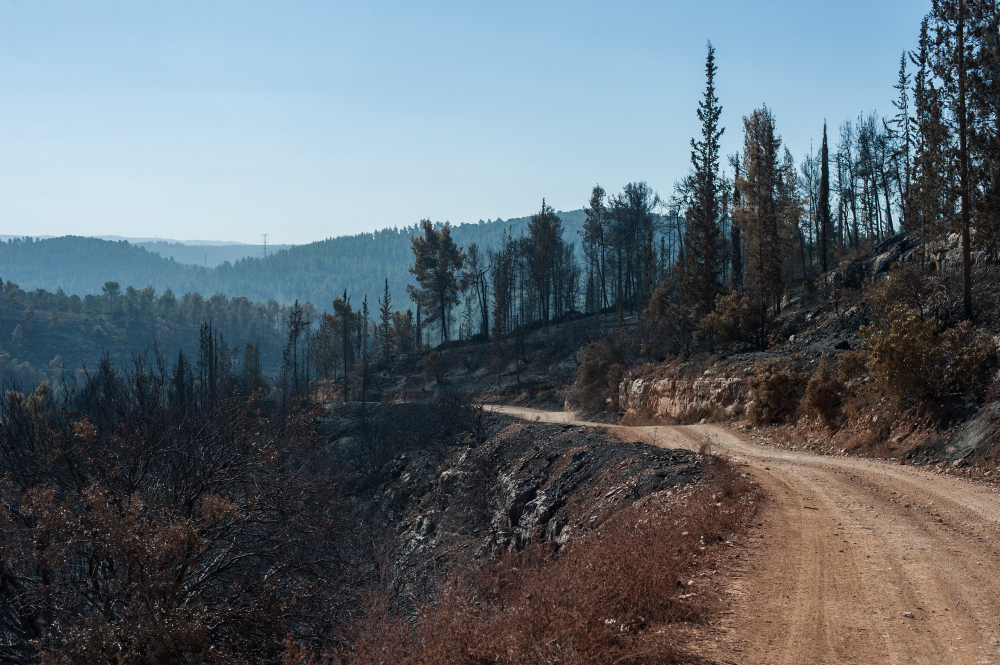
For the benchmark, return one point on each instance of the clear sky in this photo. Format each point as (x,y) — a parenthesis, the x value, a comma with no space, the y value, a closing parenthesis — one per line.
(219,119)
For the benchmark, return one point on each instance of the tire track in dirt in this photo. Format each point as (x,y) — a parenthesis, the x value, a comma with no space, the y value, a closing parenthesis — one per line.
(853,561)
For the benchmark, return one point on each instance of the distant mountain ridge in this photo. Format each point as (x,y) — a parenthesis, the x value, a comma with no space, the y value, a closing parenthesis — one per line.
(206,253)
(315,272)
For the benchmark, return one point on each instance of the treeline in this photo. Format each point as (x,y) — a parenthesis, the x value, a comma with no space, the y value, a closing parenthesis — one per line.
(932,169)
(45,336)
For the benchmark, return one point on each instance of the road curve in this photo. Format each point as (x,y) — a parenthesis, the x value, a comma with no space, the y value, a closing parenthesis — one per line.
(854,560)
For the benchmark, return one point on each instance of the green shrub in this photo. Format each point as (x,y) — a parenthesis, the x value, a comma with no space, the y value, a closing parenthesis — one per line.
(775,392)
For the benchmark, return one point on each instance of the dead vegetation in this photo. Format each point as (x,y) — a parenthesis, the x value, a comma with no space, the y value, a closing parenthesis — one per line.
(616,594)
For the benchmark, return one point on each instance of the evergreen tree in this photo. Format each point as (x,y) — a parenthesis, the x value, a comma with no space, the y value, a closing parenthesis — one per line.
(735,234)
(825,221)
(385,323)
(179,381)
(542,249)
(902,123)
(949,62)
(436,263)
(342,311)
(757,216)
(594,249)
(931,196)
(700,279)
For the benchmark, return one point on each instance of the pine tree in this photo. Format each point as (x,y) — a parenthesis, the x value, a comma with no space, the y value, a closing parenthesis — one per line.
(342,310)
(735,234)
(542,249)
(385,323)
(436,262)
(931,197)
(594,249)
(700,279)
(179,382)
(825,221)
(950,63)
(903,124)
(757,216)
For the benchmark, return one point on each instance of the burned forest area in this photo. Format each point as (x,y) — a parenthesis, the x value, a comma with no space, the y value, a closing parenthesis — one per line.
(756,420)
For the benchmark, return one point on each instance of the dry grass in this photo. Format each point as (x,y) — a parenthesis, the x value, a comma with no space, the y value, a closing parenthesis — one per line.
(616,595)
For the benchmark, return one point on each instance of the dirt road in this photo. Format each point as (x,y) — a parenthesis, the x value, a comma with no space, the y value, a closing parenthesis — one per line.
(854,560)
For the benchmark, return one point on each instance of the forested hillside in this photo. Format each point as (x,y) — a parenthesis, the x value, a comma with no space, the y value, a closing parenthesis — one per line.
(316,272)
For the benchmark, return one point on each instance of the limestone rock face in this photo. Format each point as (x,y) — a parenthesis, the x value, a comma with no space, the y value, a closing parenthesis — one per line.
(683,400)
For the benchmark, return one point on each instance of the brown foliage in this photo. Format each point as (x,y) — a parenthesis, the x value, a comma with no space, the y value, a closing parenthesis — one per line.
(609,597)
(909,361)
(905,286)
(135,533)
(824,396)
(434,366)
(735,318)
(967,354)
(903,356)
(600,373)
(775,392)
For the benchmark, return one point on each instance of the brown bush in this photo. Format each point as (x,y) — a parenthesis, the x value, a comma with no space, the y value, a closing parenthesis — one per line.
(903,356)
(775,392)
(434,366)
(600,373)
(667,327)
(852,368)
(609,597)
(966,355)
(905,286)
(909,361)
(824,396)
(735,318)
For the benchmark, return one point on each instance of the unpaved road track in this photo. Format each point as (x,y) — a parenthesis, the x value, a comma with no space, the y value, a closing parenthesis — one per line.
(853,560)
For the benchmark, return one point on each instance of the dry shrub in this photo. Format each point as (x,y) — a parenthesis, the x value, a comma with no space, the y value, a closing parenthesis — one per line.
(610,596)
(775,392)
(824,396)
(434,366)
(852,369)
(905,286)
(735,318)
(909,361)
(667,327)
(966,354)
(903,356)
(600,373)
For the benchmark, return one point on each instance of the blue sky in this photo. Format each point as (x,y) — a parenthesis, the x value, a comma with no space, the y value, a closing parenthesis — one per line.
(224,119)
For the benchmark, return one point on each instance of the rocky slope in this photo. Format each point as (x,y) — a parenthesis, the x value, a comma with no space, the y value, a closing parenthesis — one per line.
(443,507)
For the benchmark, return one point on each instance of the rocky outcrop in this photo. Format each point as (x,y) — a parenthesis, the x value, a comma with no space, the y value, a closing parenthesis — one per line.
(684,400)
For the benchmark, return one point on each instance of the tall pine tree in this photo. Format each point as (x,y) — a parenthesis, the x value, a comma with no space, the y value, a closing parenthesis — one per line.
(757,215)
(825,220)
(703,265)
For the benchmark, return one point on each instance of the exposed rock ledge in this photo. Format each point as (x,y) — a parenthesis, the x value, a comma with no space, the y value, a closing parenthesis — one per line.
(684,401)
